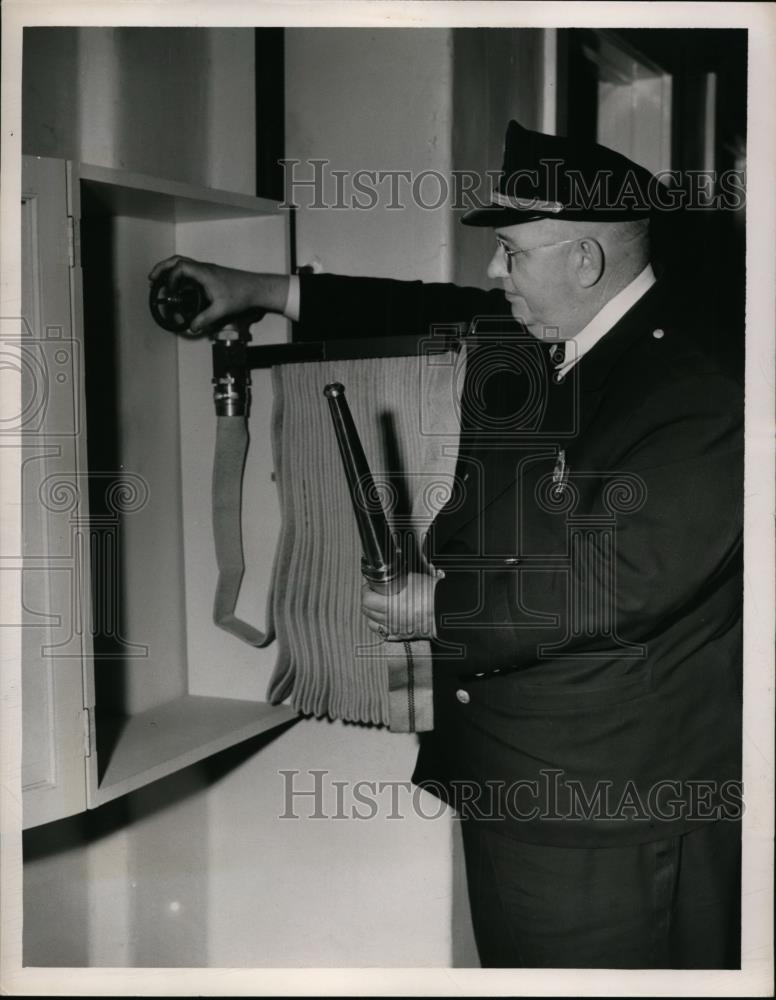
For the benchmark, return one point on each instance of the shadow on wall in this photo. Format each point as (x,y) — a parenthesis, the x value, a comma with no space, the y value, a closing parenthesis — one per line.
(108,887)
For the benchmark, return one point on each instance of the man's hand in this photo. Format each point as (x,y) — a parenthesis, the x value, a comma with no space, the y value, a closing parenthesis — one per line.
(407,615)
(231,293)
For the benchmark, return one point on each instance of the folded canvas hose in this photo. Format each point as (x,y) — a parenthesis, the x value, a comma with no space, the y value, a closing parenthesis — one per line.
(329,663)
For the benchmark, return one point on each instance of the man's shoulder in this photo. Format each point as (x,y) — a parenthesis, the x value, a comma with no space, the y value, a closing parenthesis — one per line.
(668,347)
(667,401)
(664,383)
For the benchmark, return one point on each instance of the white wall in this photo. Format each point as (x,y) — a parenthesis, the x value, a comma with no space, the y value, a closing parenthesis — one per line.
(198,868)
(174,102)
(498,76)
(373,100)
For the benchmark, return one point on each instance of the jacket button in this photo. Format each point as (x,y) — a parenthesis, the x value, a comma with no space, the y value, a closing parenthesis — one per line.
(658,334)
(511,561)
(463,696)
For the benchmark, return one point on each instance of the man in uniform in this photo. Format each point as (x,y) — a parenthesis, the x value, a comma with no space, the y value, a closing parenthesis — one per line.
(585,609)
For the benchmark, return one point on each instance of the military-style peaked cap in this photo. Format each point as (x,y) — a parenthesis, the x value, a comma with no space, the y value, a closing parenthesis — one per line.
(547,176)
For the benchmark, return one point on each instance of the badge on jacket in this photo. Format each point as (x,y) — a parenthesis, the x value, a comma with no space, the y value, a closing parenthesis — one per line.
(560,474)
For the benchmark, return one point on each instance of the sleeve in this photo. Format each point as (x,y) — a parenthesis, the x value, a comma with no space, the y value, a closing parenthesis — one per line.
(336,307)
(674,498)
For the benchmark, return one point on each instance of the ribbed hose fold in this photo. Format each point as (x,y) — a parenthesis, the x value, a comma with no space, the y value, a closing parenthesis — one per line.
(329,663)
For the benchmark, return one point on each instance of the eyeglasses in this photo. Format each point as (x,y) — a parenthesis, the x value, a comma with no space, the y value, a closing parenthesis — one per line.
(509,254)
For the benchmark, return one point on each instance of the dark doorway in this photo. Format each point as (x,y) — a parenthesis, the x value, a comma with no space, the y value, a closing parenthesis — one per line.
(701,248)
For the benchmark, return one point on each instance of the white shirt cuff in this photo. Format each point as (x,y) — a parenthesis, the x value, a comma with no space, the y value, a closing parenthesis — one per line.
(291,310)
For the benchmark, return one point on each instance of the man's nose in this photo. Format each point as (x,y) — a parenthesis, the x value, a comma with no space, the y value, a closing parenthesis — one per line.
(498,265)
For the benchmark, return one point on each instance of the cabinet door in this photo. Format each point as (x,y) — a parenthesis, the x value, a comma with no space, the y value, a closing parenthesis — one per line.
(54,721)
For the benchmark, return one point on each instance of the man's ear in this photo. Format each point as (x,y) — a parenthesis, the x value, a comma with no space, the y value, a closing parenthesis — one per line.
(589,260)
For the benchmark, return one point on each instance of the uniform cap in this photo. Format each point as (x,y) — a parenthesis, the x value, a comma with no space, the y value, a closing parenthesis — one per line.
(551,177)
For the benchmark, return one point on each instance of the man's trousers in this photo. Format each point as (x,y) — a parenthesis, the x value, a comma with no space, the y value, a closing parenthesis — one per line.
(666,904)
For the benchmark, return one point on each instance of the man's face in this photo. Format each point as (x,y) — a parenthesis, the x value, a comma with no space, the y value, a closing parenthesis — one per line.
(537,279)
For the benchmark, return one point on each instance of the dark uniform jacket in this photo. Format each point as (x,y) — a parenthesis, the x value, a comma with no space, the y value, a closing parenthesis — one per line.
(587,679)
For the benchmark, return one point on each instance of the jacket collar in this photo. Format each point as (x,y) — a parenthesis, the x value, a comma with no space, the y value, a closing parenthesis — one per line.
(643,316)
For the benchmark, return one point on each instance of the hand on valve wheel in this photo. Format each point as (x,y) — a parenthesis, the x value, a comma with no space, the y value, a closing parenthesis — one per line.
(231,293)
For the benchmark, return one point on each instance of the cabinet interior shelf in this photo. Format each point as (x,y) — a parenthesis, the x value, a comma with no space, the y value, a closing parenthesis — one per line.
(120,193)
(161,740)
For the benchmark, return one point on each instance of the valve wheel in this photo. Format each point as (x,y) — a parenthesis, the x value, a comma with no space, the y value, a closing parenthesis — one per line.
(175,308)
